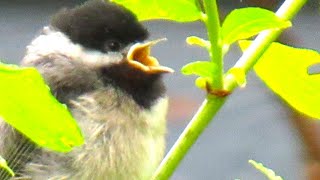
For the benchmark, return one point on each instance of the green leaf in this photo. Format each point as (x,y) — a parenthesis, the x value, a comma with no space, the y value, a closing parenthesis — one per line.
(27,104)
(4,165)
(247,22)
(205,69)
(285,70)
(264,170)
(203,82)
(200,68)
(194,40)
(176,10)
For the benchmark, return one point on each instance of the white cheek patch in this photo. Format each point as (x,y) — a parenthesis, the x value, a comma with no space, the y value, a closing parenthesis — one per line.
(53,42)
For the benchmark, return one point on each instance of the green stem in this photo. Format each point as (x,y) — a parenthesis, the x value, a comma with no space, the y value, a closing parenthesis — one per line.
(191,133)
(212,105)
(212,22)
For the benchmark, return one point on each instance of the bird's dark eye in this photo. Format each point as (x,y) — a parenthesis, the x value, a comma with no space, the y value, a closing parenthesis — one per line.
(112,45)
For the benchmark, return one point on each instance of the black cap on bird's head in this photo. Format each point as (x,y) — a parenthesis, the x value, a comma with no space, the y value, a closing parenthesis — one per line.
(99,25)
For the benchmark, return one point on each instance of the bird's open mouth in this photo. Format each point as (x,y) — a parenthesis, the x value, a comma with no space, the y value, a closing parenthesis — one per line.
(139,58)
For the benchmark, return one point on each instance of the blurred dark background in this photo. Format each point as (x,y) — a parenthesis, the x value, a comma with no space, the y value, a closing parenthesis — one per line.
(253,124)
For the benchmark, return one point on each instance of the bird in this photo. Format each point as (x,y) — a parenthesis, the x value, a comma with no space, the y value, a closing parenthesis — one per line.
(95,58)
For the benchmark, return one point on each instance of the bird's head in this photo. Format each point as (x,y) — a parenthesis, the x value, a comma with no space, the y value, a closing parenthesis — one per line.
(106,29)
(98,42)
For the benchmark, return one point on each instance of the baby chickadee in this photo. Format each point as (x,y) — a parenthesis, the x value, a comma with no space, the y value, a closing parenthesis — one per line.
(91,58)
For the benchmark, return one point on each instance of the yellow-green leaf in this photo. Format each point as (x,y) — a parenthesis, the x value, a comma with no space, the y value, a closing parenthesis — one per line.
(205,69)
(247,22)
(4,165)
(269,173)
(27,104)
(285,70)
(203,82)
(239,76)
(200,68)
(194,40)
(176,10)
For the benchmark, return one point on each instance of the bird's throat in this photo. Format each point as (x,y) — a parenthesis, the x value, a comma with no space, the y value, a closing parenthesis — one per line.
(143,87)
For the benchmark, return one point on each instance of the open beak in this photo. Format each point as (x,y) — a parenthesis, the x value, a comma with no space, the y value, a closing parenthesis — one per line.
(139,57)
